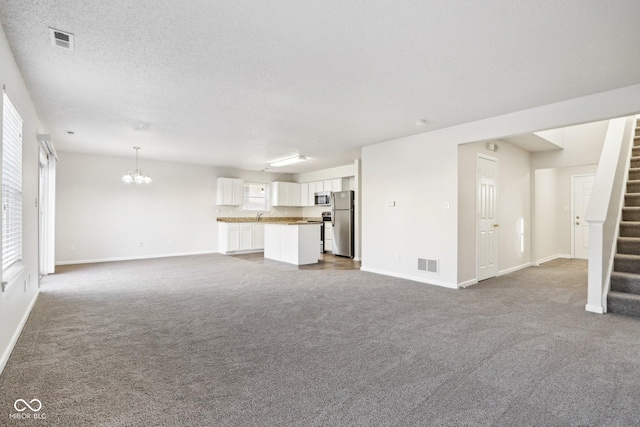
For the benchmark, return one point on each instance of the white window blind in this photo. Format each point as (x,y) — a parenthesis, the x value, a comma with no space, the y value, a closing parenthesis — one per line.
(11,184)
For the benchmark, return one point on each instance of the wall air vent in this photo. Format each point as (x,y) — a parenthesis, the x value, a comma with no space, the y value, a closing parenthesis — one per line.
(62,39)
(428,265)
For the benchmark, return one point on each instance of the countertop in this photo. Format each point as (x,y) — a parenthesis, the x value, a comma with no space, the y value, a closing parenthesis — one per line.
(289,220)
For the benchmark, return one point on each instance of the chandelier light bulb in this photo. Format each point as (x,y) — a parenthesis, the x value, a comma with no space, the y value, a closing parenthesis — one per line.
(136,175)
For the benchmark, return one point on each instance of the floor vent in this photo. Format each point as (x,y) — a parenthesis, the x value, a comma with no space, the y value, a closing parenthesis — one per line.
(428,265)
(62,39)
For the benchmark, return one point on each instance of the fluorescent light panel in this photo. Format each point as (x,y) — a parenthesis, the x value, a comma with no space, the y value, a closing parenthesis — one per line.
(288,161)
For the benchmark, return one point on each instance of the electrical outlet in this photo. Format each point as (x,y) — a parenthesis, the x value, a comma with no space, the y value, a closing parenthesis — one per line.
(398,256)
(141,244)
(170,242)
(72,247)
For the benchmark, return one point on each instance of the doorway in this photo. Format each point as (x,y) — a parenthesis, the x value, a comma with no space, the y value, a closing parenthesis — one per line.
(581,186)
(486,214)
(46,210)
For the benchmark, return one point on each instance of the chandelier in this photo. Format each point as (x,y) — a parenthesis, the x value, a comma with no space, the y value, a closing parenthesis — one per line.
(136,175)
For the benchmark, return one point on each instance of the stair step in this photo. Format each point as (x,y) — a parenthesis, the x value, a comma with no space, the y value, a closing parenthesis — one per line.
(634,173)
(632,199)
(629,229)
(633,186)
(623,303)
(625,282)
(631,213)
(626,263)
(635,162)
(628,245)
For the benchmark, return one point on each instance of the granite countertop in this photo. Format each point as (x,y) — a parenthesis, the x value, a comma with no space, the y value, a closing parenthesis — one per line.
(291,220)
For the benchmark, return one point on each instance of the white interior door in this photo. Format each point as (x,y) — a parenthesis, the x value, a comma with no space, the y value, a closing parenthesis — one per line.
(582,185)
(486,203)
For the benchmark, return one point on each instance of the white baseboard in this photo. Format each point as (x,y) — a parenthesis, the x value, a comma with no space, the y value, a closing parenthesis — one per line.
(594,308)
(132,258)
(414,278)
(550,258)
(468,283)
(4,358)
(513,269)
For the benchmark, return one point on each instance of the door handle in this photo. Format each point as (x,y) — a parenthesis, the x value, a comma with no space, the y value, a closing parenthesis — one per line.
(577,223)
(496,225)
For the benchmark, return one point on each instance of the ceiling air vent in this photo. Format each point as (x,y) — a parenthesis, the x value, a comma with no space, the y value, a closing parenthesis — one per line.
(62,39)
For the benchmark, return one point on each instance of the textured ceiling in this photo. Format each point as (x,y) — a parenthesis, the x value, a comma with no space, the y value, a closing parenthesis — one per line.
(242,83)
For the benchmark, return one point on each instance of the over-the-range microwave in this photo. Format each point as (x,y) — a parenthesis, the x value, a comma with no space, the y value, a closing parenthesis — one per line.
(323,198)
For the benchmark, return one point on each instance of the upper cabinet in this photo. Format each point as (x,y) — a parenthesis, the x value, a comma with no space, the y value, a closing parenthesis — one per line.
(302,195)
(230,192)
(285,194)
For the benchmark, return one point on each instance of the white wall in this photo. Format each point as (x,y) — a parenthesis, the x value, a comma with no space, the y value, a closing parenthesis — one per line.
(420,171)
(545,242)
(16,302)
(513,208)
(105,219)
(582,146)
(420,176)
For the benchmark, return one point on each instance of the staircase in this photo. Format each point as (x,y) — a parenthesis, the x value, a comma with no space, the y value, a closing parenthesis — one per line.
(624,296)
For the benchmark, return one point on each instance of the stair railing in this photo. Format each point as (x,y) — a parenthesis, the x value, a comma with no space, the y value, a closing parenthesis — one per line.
(605,209)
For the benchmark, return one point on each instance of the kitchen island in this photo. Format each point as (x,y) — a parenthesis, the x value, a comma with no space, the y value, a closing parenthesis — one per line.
(292,242)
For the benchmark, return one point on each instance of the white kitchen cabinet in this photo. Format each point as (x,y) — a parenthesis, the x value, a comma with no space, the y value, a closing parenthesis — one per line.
(246,236)
(280,193)
(240,237)
(233,239)
(295,194)
(304,194)
(339,184)
(258,236)
(292,243)
(230,192)
(312,194)
(320,186)
(285,194)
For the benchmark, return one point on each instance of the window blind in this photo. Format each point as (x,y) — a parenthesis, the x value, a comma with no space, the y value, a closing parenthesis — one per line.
(11,184)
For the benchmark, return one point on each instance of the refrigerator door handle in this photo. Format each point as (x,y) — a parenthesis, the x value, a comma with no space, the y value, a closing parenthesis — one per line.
(333,210)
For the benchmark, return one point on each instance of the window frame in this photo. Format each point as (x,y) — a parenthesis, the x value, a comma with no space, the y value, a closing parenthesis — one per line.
(12,244)
(246,196)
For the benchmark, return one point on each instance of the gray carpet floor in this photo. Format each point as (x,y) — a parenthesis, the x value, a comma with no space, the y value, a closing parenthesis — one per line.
(220,341)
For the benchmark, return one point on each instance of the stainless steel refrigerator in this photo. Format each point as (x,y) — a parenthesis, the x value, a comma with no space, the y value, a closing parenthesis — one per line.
(342,219)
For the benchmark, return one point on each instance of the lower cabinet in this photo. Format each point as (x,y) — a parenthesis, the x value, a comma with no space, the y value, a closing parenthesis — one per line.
(240,237)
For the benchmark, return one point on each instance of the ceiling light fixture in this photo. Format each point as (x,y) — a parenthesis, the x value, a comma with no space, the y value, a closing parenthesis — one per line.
(421,122)
(136,175)
(288,161)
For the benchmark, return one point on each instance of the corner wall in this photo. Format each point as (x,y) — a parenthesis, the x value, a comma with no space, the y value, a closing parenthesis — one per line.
(17,300)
